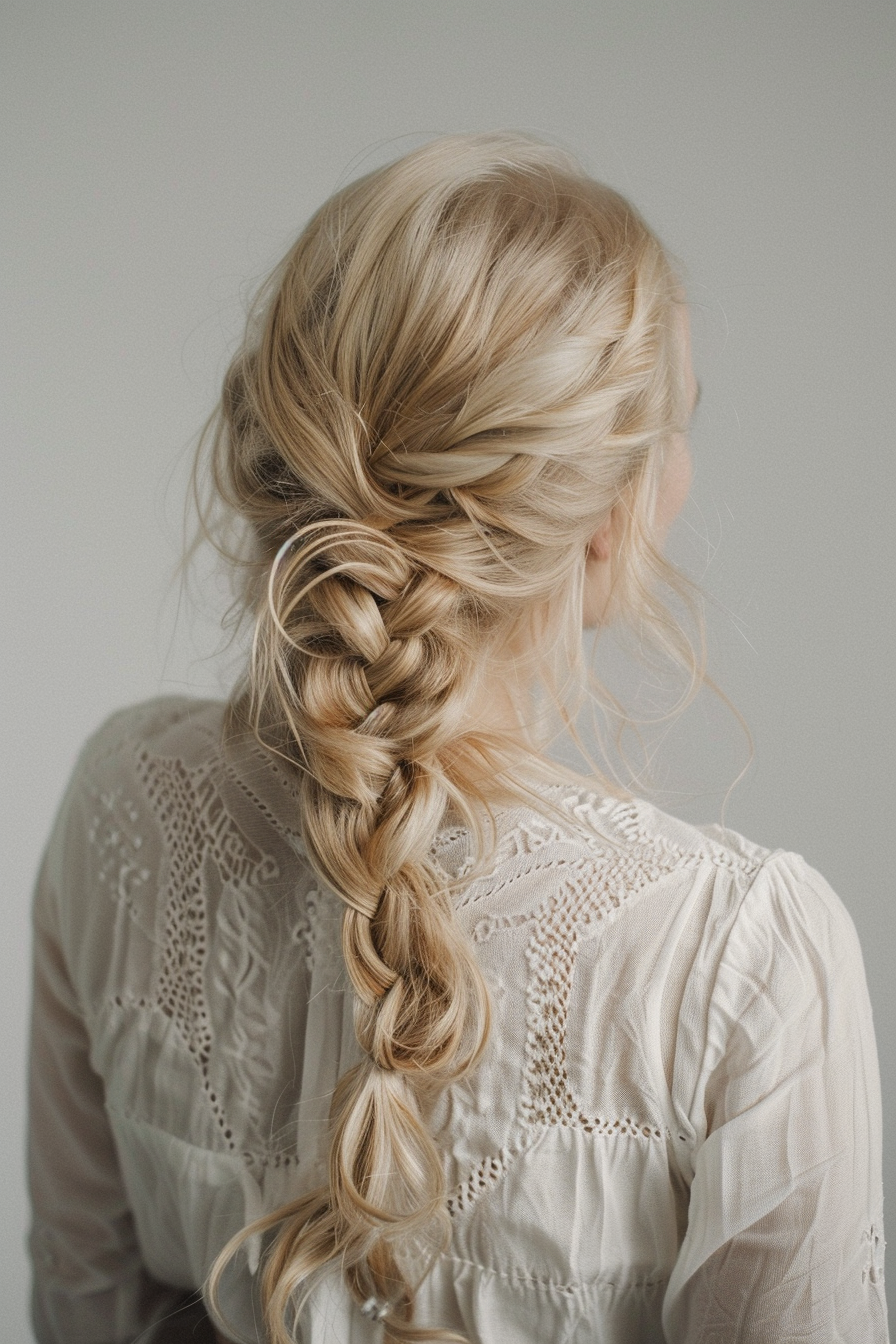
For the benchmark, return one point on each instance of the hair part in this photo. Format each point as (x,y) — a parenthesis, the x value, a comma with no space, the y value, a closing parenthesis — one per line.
(466,365)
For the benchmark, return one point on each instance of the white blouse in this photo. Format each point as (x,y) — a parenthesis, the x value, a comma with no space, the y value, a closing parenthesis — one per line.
(674,1134)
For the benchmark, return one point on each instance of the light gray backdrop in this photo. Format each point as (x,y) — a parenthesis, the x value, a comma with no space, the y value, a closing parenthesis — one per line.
(160,155)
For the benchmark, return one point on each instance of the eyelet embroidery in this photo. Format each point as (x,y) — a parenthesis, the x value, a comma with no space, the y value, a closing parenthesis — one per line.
(589,891)
(175,793)
(200,837)
(114,836)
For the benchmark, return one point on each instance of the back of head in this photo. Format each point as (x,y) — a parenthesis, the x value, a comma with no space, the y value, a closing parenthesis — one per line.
(465,366)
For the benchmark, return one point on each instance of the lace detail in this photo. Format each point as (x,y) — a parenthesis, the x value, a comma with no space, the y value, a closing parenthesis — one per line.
(551,956)
(117,844)
(483,1178)
(194,809)
(291,834)
(206,956)
(584,893)
(305,932)
(178,796)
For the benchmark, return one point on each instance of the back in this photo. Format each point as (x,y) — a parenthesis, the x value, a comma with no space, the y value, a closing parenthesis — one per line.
(674,1133)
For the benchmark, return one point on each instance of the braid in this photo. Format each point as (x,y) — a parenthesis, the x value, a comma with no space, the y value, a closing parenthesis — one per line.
(359,646)
(464,367)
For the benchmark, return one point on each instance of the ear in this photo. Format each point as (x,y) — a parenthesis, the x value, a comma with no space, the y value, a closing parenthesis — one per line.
(600,545)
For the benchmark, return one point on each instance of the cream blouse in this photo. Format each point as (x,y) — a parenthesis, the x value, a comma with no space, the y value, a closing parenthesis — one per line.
(674,1134)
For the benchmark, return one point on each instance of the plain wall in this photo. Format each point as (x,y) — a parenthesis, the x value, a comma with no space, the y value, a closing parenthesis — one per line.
(159,157)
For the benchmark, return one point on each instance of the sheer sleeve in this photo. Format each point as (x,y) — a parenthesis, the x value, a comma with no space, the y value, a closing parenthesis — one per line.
(785,1236)
(89,1285)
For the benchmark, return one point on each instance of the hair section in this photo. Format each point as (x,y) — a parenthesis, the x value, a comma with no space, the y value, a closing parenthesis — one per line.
(466,365)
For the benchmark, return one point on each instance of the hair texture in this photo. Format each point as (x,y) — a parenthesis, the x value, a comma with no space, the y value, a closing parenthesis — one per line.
(467,364)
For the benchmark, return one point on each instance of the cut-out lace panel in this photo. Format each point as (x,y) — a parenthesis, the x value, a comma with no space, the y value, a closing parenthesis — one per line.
(583,893)
(197,830)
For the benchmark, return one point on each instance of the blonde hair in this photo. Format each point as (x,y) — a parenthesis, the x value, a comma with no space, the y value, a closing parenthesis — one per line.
(466,365)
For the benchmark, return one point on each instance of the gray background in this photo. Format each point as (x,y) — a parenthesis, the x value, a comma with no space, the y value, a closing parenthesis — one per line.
(159,157)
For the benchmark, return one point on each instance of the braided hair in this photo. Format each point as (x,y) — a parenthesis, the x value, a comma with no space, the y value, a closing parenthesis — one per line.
(465,365)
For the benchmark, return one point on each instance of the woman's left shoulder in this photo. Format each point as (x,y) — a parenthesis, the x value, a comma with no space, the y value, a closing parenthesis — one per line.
(782,885)
(161,724)
(646,828)
(793,913)
(776,906)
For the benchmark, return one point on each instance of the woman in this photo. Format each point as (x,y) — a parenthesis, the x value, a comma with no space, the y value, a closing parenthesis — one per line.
(350,1004)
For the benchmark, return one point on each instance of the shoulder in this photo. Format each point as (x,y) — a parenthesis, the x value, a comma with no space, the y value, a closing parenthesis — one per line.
(98,816)
(622,862)
(120,750)
(795,929)
(100,804)
(779,962)
(781,897)
(161,726)
(764,907)
(781,913)
(638,827)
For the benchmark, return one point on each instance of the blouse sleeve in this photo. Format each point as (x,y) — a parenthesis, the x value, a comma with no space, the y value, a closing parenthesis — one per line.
(785,1236)
(88,1283)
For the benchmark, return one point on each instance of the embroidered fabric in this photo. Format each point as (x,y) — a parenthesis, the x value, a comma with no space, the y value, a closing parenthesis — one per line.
(674,1134)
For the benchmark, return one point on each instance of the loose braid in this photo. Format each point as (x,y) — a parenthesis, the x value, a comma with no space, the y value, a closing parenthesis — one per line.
(464,366)
(363,657)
